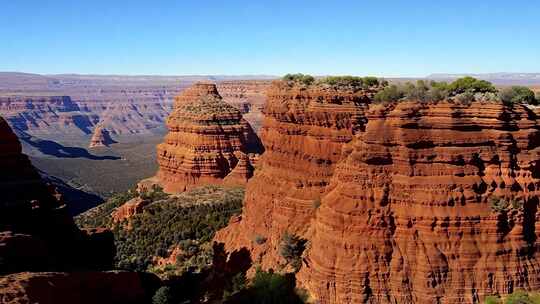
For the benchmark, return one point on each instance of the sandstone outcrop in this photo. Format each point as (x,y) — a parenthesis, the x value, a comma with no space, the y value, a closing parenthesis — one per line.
(101,138)
(399,205)
(78,287)
(207,139)
(303,132)
(129,209)
(411,217)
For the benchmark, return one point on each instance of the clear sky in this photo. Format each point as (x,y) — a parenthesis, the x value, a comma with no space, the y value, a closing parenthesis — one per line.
(382,38)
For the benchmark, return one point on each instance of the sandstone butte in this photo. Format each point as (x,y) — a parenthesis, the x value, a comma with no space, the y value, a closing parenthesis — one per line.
(40,245)
(100,138)
(398,209)
(208,142)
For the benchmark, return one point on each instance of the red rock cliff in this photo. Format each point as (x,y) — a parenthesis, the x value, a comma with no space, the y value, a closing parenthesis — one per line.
(409,217)
(207,139)
(303,132)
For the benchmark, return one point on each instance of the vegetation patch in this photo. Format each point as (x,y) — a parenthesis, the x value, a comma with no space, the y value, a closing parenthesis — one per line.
(291,249)
(336,82)
(501,204)
(463,90)
(188,221)
(517,297)
(269,287)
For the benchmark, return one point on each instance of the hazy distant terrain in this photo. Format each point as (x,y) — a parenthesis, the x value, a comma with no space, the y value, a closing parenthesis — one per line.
(496,78)
(55,115)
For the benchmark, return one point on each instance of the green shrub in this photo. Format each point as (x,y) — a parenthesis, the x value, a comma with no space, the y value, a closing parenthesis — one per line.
(259,239)
(519,297)
(391,93)
(498,204)
(237,284)
(271,288)
(189,221)
(350,82)
(470,85)
(501,204)
(492,300)
(292,248)
(299,78)
(518,94)
(164,295)
(537,95)
(101,215)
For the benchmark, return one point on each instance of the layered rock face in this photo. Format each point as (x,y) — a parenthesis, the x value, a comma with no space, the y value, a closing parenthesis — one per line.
(249,96)
(207,139)
(100,138)
(411,217)
(303,132)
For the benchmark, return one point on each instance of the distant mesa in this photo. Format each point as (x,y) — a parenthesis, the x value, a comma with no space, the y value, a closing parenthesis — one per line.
(207,141)
(101,138)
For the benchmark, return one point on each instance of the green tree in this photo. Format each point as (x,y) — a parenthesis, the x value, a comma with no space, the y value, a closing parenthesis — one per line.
(518,94)
(391,93)
(291,249)
(164,295)
(519,297)
(470,85)
(299,78)
(271,288)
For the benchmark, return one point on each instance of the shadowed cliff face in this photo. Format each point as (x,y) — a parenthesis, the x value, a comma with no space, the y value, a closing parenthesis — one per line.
(208,139)
(406,200)
(44,257)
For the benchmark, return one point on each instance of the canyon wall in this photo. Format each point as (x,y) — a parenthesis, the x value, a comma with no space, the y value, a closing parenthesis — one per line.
(412,215)
(207,140)
(401,203)
(303,132)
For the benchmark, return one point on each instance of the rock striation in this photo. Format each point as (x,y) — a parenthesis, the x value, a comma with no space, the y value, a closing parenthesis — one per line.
(100,138)
(303,132)
(248,96)
(207,139)
(411,216)
(401,203)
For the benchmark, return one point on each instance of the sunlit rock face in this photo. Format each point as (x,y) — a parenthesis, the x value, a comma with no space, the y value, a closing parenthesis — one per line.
(303,132)
(207,140)
(410,216)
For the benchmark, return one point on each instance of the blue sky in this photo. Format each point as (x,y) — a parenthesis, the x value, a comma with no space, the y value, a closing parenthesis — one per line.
(382,38)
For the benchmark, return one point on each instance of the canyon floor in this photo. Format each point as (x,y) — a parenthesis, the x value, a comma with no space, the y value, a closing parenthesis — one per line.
(89,176)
